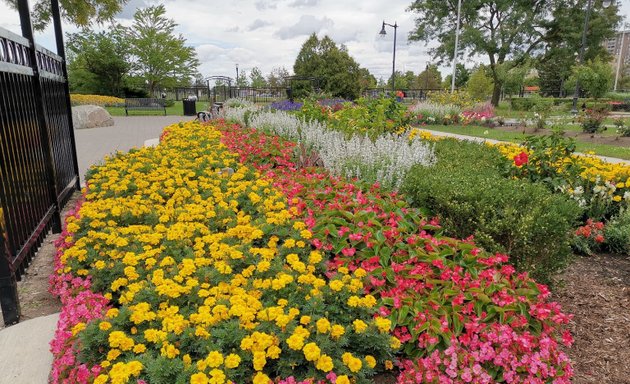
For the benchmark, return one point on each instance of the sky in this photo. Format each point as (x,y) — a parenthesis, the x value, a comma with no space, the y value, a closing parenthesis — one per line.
(269,33)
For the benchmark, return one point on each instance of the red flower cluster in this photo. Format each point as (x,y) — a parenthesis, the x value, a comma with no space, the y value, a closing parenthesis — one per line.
(521,159)
(592,230)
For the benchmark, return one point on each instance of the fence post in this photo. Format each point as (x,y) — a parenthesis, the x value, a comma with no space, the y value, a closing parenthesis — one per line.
(27,32)
(61,51)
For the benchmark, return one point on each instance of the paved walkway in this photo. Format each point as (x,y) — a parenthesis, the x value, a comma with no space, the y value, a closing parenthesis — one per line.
(127,132)
(25,356)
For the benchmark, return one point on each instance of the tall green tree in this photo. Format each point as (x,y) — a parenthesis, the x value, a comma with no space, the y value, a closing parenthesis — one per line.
(160,58)
(338,73)
(81,13)
(480,85)
(461,77)
(403,81)
(563,39)
(98,62)
(241,80)
(501,30)
(256,78)
(430,78)
(596,78)
(276,77)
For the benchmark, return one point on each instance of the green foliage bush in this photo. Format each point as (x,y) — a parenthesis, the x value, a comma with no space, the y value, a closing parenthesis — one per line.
(513,216)
(617,233)
(532,103)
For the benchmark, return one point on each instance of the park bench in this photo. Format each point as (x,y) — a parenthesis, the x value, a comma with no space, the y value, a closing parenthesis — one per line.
(145,104)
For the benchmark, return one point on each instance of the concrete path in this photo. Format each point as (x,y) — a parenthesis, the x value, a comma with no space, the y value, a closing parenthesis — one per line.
(613,160)
(127,132)
(25,357)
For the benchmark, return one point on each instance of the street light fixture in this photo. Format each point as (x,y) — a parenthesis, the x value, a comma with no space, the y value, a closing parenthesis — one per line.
(459,11)
(236,74)
(589,6)
(383,33)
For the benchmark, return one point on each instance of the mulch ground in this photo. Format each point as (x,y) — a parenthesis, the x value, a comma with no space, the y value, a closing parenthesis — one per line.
(596,290)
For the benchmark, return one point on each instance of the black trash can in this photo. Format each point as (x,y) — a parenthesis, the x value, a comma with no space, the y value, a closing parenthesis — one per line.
(190,107)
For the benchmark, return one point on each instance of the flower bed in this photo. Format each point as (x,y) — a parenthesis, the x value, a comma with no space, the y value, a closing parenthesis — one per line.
(183,265)
(461,313)
(103,101)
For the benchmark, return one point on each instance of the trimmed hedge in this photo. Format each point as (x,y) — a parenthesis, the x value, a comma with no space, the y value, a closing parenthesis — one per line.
(509,216)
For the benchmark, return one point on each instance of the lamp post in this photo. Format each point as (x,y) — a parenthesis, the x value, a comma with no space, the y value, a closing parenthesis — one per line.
(459,11)
(620,57)
(383,33)
(589,6)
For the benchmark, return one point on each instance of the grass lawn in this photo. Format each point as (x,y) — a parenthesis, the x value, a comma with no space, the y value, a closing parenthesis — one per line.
(515,137)
(176,109)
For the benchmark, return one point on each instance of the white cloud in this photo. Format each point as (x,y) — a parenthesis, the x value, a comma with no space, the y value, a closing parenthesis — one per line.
(307,25)
(304,3)
(257,24)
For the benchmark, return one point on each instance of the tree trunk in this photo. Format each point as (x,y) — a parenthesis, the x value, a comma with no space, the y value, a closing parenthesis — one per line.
(496,93)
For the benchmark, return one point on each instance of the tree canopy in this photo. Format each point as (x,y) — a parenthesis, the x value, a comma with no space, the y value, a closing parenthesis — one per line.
(338,73)
(509,32)
(160,58)
(81,13)
(98,62)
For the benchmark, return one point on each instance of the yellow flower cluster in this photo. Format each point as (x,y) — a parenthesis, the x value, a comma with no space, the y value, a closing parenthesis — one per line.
(103,101)
(608,178)
(210,270)
(422,135)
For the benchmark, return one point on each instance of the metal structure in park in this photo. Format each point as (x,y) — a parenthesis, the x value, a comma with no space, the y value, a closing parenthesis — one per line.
(38,163)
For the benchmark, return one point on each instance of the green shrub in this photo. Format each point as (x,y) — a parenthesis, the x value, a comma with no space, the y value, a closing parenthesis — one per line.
(169,102)
(517,217)
(617,233)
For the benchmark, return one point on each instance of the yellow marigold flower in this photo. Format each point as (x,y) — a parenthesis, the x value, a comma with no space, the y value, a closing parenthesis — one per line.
(360,273)
(99,264)
(311,352)
(259,360)
(305,320)
(343,379)
(336,331)
(273,352)
(360,326)
(394,342)
(187,360)
(104,325)
(323,325)
(389,365)
(113,354)
(199,378)
(78,328)
(306,234)
(214,359)
(617,198)
(315,257)
(217,376)
(324,363)
(232,360)
(336,285)
(354,301)
(139,348)
(101,379)
(384,325)
(261,378)
(298,225)
(371,361)
(295,342)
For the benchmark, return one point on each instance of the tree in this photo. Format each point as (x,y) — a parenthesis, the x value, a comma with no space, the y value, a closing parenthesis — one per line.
(480,85)
(402,81)
(366,79)
(563,40)
(81,13)
(502,30)
(257,79)
(241,80)
(98,62)
(461,77)
(596,78)
(161,59)
(338,73)
(276,77)
(430,78)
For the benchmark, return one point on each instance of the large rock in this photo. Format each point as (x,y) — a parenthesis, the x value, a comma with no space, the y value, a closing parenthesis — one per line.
(90,116)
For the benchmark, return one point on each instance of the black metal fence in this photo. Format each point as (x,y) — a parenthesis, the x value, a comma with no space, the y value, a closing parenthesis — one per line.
(220,93)
(408,94)
(38,165)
